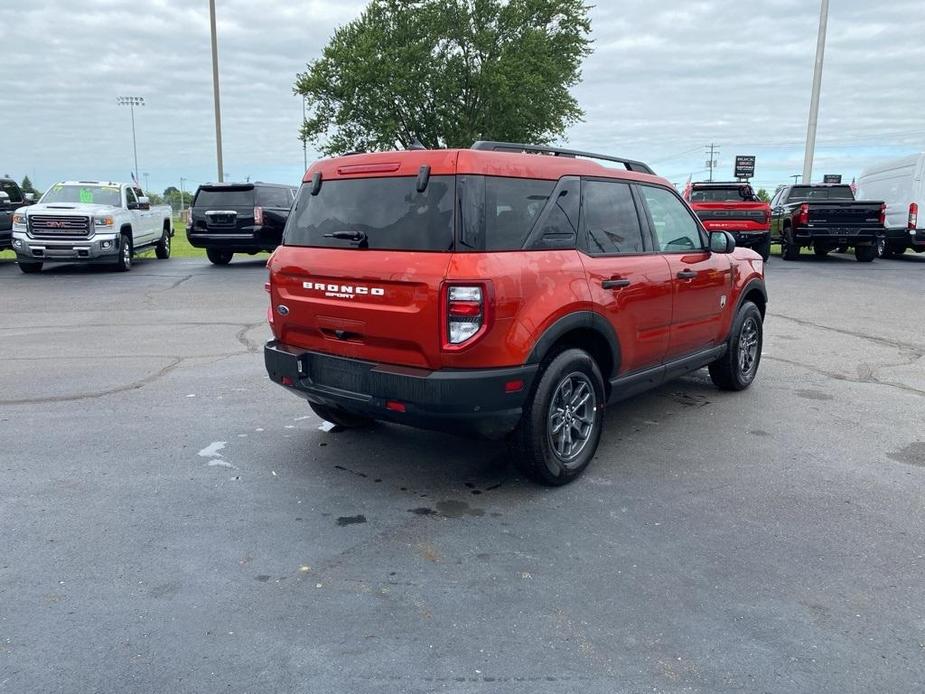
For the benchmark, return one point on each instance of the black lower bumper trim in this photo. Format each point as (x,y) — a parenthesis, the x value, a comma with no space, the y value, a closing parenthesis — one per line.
(465,401)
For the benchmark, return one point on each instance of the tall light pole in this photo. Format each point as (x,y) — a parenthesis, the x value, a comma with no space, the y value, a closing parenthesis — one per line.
(814,101)
(147,182)
(218,106)
(132,102)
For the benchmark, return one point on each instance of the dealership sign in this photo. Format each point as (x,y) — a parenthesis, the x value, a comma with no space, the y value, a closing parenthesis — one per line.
(745,166)
(831,178)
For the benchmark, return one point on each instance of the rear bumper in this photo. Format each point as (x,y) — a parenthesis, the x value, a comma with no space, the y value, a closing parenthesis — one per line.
(909,239)
(750,239)
(248,239)
(839,235)
(458,401)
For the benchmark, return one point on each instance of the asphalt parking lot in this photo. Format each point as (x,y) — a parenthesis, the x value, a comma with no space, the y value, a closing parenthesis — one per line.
(173,522)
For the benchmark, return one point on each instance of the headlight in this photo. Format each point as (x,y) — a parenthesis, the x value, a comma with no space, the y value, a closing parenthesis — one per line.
(102,221)
(19,219)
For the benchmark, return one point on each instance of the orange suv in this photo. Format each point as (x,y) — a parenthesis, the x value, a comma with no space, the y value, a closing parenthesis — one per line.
(506,290)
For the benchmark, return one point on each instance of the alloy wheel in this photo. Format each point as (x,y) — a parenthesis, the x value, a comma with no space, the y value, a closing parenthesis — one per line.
(571,419)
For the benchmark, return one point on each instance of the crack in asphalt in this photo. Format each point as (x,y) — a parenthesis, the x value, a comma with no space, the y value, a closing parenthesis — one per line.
(841,377)
(896,344)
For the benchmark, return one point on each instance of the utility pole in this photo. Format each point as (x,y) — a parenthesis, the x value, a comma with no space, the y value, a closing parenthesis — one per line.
(712,151)
(796,178)
(147,182)
(218,106)
(132,102)
(181,196)
(814,100)
(304,148)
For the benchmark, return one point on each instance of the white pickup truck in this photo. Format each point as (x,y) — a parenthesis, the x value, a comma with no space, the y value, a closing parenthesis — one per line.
(90,221)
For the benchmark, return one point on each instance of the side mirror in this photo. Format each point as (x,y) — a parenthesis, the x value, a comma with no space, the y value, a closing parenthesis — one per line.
(722,242)
(30,198)
(144,203)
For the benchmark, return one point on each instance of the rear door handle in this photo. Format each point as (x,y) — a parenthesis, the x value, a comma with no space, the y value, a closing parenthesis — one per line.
(686,275)
(615,283)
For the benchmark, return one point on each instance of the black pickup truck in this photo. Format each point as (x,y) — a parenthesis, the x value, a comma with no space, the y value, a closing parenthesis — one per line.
(11,198)
(825,217)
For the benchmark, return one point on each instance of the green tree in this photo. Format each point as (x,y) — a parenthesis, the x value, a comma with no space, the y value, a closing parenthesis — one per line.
(172,197)
(763,195)
(26,185)
(447,72)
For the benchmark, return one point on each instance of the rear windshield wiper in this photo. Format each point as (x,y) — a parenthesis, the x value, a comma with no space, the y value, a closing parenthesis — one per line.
(358,237)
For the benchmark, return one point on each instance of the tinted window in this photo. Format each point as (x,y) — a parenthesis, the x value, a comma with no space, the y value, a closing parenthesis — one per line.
(610,220)
(12,190)
(675,228)
(224,198)
(274,197)
(726,194)
(820,193)
(558,228)
(498,214)
(388,211)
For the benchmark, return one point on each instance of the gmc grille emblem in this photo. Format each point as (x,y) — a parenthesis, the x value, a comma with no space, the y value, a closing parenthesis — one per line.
(343,291)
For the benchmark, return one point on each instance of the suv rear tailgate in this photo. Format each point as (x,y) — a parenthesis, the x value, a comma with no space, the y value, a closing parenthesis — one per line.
(847,213)
(379,306)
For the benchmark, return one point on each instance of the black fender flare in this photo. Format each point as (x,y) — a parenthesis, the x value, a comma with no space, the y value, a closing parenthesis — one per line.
(754,283)
(574,321)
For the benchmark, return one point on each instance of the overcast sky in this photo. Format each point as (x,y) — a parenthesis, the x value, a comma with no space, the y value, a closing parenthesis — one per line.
(665,79)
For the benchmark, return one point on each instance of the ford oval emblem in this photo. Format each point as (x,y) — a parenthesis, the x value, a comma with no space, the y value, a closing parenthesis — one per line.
(282,310)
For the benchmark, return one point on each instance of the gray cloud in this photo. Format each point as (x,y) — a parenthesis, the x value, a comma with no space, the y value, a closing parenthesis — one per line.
(663,81)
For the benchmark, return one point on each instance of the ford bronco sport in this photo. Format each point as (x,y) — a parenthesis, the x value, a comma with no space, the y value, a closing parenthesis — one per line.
(505,290)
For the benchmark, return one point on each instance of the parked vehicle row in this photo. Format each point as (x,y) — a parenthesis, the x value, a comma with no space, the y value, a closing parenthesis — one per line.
(733,207)
(901,184)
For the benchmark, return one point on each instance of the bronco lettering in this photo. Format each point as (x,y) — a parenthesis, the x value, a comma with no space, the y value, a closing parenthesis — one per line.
(343,291)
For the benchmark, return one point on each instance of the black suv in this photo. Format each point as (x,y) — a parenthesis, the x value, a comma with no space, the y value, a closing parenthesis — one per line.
(11,197)
(229,218)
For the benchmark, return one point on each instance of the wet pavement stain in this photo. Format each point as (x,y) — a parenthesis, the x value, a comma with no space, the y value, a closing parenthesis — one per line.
(422,511)
(263,578)
(457,509)
(913,454)
(350,520)
(758,432)
(814,395)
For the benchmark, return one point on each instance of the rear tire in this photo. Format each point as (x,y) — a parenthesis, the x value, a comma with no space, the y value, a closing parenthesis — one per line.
(341,418)
(219,257)
(865,254)
(737,368)
(29,267)
(124,263)
(162,249)
(763,249)
(561,425)
(789,249)
(821,251)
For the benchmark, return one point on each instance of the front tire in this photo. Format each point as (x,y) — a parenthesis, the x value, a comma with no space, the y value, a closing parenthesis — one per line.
(29,267)
(561,425)
(737,368)
(124,263)
(219,257)
(341,418)
(865,254)
(162,249)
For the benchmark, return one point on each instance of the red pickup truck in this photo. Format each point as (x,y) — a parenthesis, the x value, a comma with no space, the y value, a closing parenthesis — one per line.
(735,208)
(506,290)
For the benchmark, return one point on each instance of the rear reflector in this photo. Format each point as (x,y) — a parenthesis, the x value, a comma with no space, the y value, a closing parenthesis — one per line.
(882,213)
(286,381)
(395,406)
(514,386)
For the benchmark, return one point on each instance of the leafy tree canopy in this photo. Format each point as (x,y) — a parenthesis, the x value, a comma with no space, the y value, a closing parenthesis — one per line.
(763,195)
(26,185)
(448,72)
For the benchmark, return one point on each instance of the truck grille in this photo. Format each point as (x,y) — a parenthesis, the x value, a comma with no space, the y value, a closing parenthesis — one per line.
(59,227)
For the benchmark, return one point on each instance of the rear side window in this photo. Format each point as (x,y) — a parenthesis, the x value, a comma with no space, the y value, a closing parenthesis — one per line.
(388,213)
(810,193)
(675,228)
(223,198)
(274,197)
(498,214)
(726,194)
(610,220)
(12,190)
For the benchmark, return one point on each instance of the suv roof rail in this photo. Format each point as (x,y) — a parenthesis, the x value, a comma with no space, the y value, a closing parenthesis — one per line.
(630,164)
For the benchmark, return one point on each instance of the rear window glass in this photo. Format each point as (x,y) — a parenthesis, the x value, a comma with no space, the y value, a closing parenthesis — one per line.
(728,194)
(220,198)
(820,193)
(274,197)
(382,213)
(12,190)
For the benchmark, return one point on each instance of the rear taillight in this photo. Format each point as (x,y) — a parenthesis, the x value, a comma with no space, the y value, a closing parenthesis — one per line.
(466,312)
(268,288)
(258,215)
(882,213)
(803,216)
(767,216)
(913,216)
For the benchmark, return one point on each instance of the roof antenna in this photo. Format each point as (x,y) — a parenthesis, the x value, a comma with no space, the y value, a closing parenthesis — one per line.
(416,144)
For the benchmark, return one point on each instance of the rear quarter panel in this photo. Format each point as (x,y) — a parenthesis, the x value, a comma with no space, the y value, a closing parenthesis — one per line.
(532,290)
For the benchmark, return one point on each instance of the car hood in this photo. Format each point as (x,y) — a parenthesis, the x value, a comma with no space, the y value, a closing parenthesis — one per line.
(68,208)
